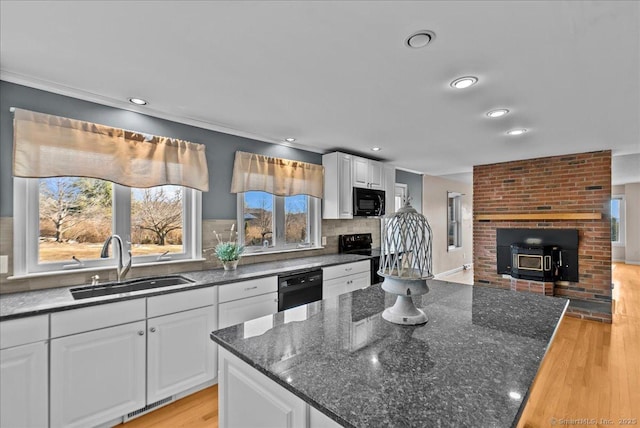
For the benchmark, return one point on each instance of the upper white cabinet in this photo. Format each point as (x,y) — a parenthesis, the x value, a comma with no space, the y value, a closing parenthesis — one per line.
(368,173)
(24,372)
(389,188)
(338,186)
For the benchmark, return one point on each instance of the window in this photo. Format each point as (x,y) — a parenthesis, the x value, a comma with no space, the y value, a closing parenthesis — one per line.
(72,217)
(617,220)
(454,235)
(274,223)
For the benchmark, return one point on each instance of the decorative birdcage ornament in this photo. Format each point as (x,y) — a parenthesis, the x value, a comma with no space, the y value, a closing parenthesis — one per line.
(405,263)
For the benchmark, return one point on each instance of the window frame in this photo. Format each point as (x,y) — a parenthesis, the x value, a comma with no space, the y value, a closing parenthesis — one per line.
(621,226)
(456,221)
(314,224)
(27,228)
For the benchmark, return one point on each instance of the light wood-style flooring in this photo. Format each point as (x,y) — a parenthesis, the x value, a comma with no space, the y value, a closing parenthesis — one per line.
(590,374)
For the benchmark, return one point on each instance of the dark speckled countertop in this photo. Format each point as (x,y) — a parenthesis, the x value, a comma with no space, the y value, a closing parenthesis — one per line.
(471,365)
(17,305)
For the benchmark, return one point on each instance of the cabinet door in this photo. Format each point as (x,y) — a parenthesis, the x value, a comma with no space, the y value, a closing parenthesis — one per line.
(334,287)
(358,282)
(180,354)
(376,175)
(247,398)
(23,386)
(238,311)
(97,376)
(360,172)
(345,187)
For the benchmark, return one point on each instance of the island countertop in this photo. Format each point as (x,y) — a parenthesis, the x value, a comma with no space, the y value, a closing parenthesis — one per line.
(471,365)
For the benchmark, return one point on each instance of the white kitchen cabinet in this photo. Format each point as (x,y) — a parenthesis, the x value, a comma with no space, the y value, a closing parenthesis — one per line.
(338,186)
(345,278)
(247,398)
(98,375)
(389,188)
(24,386)
(241,310)
(368,173)
(180,354)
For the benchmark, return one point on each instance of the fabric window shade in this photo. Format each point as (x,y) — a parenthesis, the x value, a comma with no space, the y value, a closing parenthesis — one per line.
(53,146)
(281,177)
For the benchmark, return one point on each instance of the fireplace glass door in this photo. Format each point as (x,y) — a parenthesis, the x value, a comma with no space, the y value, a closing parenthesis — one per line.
(528,262)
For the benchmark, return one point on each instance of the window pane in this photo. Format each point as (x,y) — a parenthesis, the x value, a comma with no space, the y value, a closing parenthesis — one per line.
(296,219)
(258,219)
(75,217)
(156,220)
(615,220)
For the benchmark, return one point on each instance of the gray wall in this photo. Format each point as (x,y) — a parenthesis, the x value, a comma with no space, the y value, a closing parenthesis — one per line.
(414,187)
(218,203)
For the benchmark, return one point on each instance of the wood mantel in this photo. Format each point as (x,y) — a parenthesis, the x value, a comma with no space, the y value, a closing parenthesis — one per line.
(539,216)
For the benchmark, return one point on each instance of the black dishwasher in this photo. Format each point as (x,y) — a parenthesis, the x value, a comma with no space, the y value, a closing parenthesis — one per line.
(299,288)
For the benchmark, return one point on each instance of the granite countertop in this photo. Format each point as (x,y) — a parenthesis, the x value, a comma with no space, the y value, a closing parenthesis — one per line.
(471,365)
(17,305)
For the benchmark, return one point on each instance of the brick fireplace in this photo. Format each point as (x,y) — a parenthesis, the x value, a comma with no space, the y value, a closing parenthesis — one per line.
(560,192)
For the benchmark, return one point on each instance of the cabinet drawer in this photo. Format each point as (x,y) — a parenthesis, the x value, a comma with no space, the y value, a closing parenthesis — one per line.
(24,330)
(95,317)
(332,272)
(239,311)
(244,289)
(182,301)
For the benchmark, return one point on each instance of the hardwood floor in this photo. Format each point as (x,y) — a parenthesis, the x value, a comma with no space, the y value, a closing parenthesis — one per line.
(591,375)
(591,372)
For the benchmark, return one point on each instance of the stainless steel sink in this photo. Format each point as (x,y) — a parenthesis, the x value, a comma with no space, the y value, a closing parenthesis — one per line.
(128,286)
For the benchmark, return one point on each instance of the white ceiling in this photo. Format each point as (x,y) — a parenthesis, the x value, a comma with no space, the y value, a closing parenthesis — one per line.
(337,74)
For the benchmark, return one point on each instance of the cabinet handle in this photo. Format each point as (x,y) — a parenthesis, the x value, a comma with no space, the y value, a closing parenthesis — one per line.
(251,288)
(275,300)
(152,329)
(350,282)
(348,269)
(141,333)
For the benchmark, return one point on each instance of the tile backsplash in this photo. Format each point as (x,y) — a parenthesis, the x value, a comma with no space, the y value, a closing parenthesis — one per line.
(330,229)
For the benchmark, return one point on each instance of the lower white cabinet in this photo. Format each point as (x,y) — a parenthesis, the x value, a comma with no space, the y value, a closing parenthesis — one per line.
(345,284)
(180,354)
(98,375)
(248,398)
(241,310)
(23,386)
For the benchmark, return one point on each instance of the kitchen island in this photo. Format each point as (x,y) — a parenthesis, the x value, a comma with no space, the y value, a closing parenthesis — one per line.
(337,362)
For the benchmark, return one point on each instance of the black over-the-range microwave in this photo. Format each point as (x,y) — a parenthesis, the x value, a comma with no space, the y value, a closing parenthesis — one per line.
(368,202)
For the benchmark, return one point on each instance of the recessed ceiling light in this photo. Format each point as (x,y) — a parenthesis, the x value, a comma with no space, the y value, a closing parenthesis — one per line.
(138,101)
(498,112)
(516,131)
(289,140)
(464,82)
(420,39)
(375,149)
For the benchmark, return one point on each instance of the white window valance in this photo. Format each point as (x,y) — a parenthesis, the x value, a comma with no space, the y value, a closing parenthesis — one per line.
(53,146)
(281,177)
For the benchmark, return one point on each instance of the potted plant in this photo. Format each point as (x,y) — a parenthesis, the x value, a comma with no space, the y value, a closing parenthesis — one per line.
(228,252)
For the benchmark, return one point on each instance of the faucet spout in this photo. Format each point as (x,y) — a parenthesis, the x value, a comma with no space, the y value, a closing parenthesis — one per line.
(121,270)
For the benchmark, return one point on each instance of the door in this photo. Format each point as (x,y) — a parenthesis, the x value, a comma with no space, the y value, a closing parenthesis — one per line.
(360,172)
(97,376)
(180,354)
(358,282)
(23,386)
(376,175)
(400,195)
(238,311)
(345,187)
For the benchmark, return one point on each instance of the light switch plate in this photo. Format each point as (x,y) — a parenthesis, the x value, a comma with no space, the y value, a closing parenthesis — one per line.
(324,240)
(4,264)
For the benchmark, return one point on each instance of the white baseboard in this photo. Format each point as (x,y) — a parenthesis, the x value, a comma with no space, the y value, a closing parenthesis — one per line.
(452,271)
(632,262)
(618,260)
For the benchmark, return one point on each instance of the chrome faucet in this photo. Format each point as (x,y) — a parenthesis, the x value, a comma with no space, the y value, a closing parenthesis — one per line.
(121,270)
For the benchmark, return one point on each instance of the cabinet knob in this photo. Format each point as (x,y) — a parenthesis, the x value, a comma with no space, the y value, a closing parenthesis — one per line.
(141,333)
(348,269)
(152,329)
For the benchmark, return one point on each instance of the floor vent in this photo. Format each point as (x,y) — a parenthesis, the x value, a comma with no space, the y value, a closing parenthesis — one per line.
(146,409)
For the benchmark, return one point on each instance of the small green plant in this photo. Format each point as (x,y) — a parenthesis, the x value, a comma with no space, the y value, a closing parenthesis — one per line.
(227,251)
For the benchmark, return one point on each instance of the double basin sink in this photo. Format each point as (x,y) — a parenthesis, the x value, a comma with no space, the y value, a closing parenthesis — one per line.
(106,289)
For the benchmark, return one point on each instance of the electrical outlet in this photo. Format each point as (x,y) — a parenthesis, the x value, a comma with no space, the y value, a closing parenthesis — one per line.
(324,240)
(4,264)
